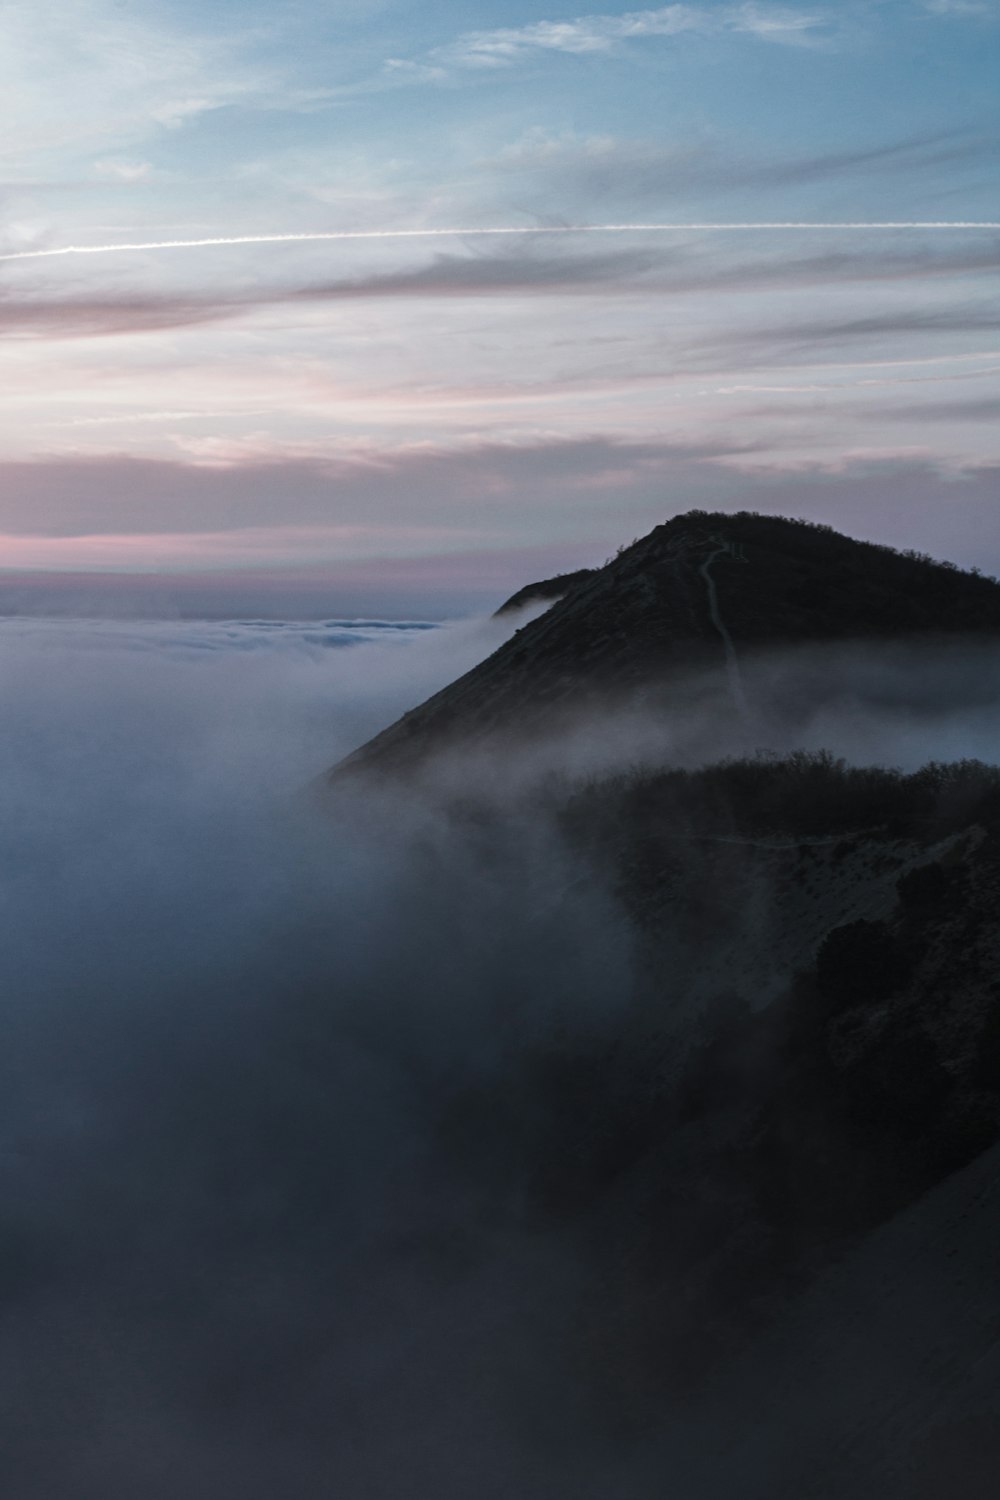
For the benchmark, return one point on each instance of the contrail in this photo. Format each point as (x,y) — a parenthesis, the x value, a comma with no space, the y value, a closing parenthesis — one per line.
(428,234)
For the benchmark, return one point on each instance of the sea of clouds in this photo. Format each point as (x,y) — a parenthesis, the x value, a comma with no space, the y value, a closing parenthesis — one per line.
(273,1069)
(243,1253)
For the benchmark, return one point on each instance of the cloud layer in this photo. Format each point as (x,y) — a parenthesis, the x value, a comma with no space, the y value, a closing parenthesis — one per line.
(227,1021)
(292,1094)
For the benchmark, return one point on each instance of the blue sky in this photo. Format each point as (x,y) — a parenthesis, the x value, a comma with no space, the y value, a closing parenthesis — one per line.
(468,406)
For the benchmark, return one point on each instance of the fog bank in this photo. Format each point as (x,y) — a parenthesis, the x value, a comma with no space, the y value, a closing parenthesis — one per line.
(289,1091)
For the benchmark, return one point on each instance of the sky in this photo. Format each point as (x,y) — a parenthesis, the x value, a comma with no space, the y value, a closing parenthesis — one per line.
(419,417)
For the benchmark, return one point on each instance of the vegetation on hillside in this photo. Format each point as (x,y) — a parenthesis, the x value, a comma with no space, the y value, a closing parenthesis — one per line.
(805,794)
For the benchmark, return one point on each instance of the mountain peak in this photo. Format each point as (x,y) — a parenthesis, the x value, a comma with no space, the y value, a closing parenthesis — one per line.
(704,591)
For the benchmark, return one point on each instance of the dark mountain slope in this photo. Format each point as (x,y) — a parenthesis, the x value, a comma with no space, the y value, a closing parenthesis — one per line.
(806,1057)
(545,591)
(812,1043)
(701,592)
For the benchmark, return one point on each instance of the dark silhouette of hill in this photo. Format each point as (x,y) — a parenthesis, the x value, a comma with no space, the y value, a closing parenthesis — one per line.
(702,592)
(801,1090)
(545,591)
(811,1047)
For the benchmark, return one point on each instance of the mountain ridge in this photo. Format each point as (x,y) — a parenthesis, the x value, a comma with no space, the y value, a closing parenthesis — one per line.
(806,1055)
(698,594)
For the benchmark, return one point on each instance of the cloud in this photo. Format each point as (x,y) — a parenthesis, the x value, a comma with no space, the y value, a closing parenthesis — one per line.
(480,498)
(793,340)
(46,317)
(526,271)
(571,168)
(776,23)
(245,1248)
(531,269)
(934,320)
(788,272)
(499,48)
(987,410)
(523,272)
(368,671)
(123,171)
(866,382)
(296,1099)
(972,8)
(105,73)
(359,496)
(504,47)
(676,270)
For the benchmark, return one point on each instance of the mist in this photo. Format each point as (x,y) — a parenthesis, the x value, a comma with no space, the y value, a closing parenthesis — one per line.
(243,1254)
(898,704)
(289,1087)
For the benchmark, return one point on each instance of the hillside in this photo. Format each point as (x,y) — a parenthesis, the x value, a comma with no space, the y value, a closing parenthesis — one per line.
(810,1045)
(703,594)
(784,1142)
(545,591)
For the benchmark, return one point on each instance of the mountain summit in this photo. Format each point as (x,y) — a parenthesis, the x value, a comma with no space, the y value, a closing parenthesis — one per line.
(702,593)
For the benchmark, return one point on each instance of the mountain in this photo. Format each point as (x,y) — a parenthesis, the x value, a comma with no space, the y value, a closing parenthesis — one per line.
(777,1160)
(808,1042)
(705,594)
(829,931)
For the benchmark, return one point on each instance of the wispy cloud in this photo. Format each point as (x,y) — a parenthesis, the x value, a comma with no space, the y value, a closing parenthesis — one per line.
(35,317)
(503,47)
(980,8)
(570,167)
(907,320)
(987,410)
(114,494)
(524,271)
(122,171)
(798,341)
(784,273)
(866,383)
(529,268)
(75,78)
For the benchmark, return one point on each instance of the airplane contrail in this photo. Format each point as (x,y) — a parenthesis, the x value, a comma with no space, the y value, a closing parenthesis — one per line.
(427,234)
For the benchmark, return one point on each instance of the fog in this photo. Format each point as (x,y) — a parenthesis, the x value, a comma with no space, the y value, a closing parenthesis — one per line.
(270,1068)
(243,1251)
(897,704)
